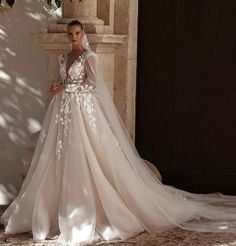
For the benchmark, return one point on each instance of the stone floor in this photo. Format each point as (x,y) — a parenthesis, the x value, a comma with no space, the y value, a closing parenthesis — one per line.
(176,237)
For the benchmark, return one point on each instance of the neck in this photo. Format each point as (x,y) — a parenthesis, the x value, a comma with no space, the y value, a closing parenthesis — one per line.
(77,48)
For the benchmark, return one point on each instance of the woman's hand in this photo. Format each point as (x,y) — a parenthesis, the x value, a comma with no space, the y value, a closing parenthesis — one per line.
(56,88)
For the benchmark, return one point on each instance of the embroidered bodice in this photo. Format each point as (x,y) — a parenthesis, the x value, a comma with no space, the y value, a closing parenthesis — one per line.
(81,77)
(81,74)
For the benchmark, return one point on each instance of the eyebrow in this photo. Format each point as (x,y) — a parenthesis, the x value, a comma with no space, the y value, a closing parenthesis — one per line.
(76,32)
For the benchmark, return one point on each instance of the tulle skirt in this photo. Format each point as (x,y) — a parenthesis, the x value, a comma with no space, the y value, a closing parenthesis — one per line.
(84,187)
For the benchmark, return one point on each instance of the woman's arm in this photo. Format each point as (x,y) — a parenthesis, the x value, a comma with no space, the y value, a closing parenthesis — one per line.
(56,87)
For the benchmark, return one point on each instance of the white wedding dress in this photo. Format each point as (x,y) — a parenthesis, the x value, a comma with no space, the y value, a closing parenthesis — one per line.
(87,182)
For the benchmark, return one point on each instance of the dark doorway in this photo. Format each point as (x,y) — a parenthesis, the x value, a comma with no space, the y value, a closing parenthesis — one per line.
(186,92)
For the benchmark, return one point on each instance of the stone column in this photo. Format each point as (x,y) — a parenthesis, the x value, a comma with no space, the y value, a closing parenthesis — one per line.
(83,10)
(126,23)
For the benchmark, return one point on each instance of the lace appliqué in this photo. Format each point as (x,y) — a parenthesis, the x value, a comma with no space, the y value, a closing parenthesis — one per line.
(86,101)
(76,73)
(63,119)
(59,148)
(77,89)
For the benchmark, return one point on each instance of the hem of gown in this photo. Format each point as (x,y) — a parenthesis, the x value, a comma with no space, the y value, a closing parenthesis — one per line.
(99,240)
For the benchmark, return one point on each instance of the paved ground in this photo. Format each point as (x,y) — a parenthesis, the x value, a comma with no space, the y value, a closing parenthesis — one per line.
(176,237)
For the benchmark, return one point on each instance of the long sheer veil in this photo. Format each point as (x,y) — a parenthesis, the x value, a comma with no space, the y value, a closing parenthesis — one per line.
(116,121)
(201,212)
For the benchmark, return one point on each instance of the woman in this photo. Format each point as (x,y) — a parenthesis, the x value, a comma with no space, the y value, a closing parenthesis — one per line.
(87,182)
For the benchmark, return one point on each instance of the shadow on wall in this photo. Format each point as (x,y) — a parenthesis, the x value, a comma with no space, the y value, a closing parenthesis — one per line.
(23,85)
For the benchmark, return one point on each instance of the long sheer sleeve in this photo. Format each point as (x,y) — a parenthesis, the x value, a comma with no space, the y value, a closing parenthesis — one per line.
(90,68)
(61,60)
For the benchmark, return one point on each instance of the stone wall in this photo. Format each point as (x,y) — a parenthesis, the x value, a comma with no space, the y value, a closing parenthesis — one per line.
(23,87)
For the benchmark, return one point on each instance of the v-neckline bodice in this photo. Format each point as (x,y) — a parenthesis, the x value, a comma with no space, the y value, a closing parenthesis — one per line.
(66,60)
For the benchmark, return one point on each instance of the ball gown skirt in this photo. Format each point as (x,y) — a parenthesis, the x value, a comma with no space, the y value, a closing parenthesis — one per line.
(83,187)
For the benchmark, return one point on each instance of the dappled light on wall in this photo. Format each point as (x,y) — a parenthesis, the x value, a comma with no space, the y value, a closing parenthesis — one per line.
(23,86)
(49,5)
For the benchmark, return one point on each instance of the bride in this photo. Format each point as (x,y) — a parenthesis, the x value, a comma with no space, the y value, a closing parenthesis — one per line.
(87,182)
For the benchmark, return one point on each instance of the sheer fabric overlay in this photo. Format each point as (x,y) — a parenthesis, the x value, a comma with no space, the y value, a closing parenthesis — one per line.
(87,182)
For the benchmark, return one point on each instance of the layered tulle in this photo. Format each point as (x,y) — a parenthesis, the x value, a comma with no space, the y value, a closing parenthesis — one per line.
(91,191)
(87,182)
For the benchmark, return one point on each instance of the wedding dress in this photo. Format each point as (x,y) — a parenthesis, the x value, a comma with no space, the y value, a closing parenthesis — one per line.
(87,182)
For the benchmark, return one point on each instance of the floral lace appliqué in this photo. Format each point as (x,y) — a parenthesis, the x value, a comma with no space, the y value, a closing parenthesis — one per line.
(88,105)
(63,119)
(77,91)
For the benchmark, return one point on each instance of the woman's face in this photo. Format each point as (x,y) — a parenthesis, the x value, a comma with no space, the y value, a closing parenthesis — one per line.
(75,34)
